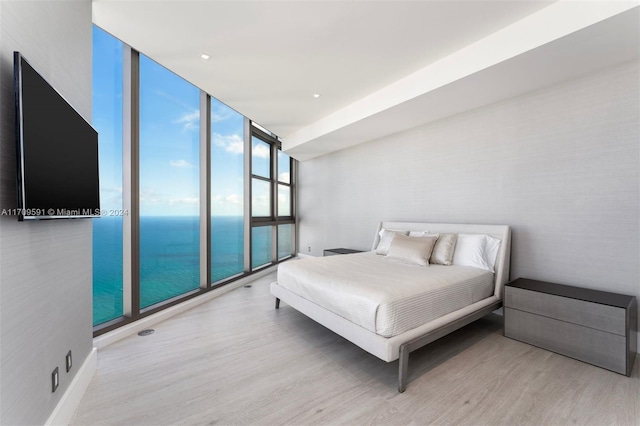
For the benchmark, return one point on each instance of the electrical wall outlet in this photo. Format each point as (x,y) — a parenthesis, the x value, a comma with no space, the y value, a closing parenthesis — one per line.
(55,380)
(69,361)
(309,249)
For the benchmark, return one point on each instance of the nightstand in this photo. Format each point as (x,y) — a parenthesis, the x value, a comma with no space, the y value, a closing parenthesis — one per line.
(593,326)
(336,251)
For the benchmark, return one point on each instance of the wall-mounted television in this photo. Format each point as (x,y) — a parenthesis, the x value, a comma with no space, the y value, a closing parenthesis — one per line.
(56,150)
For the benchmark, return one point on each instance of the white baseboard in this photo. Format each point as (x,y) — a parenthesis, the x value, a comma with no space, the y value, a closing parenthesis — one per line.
(302,255)
(66,408)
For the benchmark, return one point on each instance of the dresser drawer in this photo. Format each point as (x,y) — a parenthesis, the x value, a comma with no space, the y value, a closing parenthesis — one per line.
(586,344)
(595,326)
(589,314)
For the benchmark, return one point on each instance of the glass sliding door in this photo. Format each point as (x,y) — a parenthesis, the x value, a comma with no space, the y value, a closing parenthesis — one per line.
(169,184)
(107,230)
(227,192)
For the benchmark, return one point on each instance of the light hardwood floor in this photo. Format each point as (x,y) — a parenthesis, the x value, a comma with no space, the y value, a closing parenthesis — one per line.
(236,360)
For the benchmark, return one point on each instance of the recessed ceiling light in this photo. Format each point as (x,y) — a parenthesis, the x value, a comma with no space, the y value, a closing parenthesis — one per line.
(316,95)
(204,56)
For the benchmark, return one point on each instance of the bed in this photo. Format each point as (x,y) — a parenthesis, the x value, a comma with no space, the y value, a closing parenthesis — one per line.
(390,308)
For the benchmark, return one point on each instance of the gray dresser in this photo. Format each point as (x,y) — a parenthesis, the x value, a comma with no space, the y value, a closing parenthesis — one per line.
(593,326)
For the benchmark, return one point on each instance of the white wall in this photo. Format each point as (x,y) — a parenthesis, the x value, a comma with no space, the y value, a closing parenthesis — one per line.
(45,266)
(560,165)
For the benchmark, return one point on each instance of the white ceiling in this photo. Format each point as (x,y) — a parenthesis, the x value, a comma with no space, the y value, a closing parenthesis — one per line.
(268,58)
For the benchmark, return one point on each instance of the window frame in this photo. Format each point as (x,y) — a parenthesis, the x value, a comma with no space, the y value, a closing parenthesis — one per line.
(274,219)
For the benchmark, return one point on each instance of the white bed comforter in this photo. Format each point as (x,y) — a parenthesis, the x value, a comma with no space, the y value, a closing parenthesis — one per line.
(384,296)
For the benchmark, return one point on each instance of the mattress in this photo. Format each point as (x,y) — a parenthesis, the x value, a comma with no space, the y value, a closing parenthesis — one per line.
(384,296)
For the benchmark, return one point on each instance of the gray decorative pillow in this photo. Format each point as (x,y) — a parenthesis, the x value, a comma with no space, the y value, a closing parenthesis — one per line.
(444,249)
(385,240)
(414,250)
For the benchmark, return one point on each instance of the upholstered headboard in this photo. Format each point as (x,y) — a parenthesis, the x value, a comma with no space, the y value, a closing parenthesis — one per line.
(502,232)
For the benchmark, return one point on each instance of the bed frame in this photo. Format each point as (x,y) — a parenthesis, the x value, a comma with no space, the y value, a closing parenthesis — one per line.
(398,347)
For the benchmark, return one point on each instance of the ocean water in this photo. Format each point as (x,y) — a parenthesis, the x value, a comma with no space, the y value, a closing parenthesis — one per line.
(170,257)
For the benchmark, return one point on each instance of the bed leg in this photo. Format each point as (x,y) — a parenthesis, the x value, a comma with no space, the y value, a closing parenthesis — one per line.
(403,366)
(277,303)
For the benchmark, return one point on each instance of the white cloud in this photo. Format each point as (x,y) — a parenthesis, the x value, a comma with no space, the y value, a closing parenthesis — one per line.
(181,163)
(233,199)
(261,205)
(261,150)
(220,114)
(150,196)
(226,205)
(230,143)
(190,120)
(284,177)
(156,203)
(184,200)
(111,197)
(235,145)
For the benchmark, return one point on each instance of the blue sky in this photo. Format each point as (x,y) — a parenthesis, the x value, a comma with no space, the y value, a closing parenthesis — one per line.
(169,139)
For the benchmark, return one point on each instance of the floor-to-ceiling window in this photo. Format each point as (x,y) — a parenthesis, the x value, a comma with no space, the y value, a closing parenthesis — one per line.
(204,194)
(107,230)
(272,218)
(169,184)
(227,192)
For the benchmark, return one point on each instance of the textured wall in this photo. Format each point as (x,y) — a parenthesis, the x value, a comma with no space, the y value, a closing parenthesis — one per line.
(559,165)
(45,266)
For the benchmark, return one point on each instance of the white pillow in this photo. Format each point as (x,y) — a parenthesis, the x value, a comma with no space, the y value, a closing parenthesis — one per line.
(385,240)
(491,250)
(414,250)
(419,233)
(443,250)
(476,250)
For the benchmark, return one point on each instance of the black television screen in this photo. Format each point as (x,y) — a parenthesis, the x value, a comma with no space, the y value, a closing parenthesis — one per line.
(57,152)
